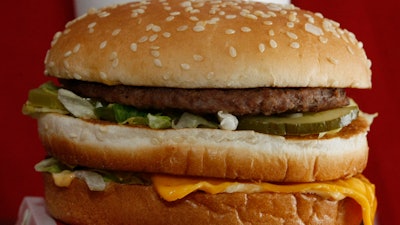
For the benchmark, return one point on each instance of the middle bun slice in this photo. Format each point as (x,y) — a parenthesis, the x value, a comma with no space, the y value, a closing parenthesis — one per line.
(246,155)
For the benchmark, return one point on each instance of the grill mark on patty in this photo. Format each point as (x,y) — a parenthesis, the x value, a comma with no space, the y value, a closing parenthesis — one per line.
(238,102)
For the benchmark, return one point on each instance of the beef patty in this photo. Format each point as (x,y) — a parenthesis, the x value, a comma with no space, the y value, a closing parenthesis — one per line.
(238,102)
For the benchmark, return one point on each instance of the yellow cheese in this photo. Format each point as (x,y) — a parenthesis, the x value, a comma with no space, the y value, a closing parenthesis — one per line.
(64,178)
(359,188)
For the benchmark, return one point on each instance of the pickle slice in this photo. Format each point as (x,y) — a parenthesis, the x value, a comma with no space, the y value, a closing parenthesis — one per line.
(45,96)
(301,123)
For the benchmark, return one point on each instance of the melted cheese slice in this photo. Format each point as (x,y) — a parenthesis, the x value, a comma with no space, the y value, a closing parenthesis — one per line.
(172,188)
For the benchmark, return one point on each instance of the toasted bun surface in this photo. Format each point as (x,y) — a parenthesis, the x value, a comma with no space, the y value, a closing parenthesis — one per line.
(208,44)
(136,204)
(206,152)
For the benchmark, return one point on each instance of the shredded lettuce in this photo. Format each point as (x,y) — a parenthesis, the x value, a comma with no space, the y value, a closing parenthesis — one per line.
(50,98)
(96,179)
(159,121)
(188,120)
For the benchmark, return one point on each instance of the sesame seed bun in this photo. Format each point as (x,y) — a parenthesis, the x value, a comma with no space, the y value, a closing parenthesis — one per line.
(208,44)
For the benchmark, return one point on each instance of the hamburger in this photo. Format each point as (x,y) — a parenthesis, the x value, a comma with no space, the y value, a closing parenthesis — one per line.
(204,112)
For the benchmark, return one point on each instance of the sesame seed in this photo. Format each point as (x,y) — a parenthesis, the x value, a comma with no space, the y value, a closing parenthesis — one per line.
(154,47)
(134,14)
(57,35)
(103,44)
(332,60)
(250,16)
(295,45)
(311,28)
(143,39)
(175,13)
(369,63)
(230,31)
(149,27)
(323,39)
(155,53)
(186,4)
(157,62)
(293,16)
(213,20)
(92,25)
(66,64)
(273,43)
(77,76)
(350,50)
(268,22)
(230,16)
(232,51)
(133,47)
(194,18)
(167,8)
(76,48)
(103,75)
(103,14)
(290,24)
(291,35)
(116,32)
(271,32)
(198,28)
(182,28)
(245,29)
(317,14)
(194,11)
(169,18)
(274,7)
(360,44)
(166,76)
(68,53)
(113,55)
(153,37)
(166,34)
(198,58)
(261,47)
(46,58)
(188,9)
(140,10)
(52,64)
(185,66)
(271,14)
(156,28)
(259,13)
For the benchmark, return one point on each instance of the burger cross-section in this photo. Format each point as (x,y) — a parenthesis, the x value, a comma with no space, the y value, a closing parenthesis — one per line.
(204,112)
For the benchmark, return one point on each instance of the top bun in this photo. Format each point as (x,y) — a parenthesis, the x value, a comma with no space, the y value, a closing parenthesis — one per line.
(208,44)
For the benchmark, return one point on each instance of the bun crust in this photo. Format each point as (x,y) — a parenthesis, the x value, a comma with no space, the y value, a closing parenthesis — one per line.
(208,44)
(206,152)
(136,204)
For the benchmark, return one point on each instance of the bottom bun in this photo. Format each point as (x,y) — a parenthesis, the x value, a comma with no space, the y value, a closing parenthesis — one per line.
(140,205)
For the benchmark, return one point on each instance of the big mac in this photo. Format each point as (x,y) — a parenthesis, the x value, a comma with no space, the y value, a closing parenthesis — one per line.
(204,112)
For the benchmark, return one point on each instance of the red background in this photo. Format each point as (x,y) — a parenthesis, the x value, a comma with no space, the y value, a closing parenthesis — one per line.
(28,27)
